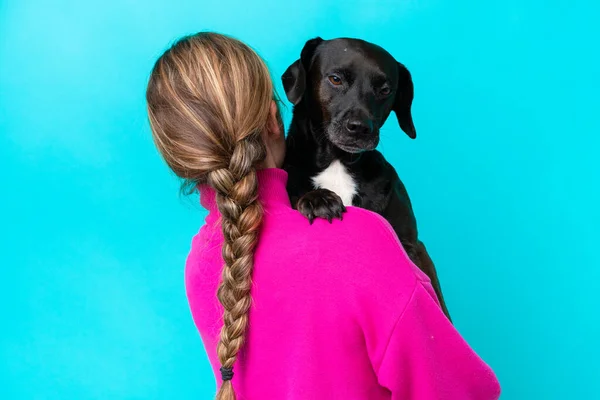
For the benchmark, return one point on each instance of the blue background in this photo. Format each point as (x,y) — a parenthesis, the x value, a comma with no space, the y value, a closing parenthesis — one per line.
(504,178)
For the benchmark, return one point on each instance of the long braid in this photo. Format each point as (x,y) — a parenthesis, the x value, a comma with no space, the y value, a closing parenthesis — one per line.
(241,214)
(209,101)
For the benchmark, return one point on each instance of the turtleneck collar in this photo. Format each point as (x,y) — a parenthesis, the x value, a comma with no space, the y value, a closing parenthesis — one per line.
(272,191)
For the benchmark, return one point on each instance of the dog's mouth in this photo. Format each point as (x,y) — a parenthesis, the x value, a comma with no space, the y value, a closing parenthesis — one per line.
(353,143)
(354,149)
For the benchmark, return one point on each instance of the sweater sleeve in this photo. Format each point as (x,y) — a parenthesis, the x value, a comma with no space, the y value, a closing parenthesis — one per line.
(427,359)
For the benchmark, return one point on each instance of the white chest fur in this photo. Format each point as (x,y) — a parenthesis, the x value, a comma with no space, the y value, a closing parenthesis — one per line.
(337,179)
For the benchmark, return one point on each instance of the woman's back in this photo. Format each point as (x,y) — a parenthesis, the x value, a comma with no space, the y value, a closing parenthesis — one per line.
(338,311)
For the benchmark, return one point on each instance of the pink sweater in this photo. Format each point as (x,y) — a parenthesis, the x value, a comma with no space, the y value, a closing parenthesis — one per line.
(339,311)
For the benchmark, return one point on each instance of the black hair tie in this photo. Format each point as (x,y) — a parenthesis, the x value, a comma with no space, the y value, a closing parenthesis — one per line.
(226,373)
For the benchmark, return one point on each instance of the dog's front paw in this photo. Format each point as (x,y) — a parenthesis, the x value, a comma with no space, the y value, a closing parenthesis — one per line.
(321,203)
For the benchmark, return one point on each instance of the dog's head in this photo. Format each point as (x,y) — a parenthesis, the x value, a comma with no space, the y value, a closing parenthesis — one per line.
(349,87)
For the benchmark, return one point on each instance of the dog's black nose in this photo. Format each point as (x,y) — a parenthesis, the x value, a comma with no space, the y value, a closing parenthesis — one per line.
(359,126)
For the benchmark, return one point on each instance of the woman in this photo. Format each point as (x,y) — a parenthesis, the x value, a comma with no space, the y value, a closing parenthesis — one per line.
(322,311)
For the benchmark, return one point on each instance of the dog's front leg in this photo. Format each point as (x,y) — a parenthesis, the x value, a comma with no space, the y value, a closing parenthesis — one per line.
(321,203)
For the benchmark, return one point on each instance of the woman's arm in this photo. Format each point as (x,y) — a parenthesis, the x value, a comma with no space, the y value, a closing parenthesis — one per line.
(427,359)
(416,352)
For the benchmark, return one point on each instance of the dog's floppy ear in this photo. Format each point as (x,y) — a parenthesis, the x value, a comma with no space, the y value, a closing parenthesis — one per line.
(403,101)
(294,78)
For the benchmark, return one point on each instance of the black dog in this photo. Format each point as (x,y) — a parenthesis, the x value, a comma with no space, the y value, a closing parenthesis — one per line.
(343,90)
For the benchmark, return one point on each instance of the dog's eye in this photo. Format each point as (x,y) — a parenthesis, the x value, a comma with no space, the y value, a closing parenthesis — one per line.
(385,91)
(335,80)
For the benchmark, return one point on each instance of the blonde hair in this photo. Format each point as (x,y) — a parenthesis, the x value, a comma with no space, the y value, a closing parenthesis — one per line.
(209,99)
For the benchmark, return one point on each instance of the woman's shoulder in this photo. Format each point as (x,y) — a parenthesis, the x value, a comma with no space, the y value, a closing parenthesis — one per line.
(356,225)
(362,242)
(357,262)
(372,221)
